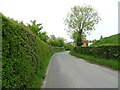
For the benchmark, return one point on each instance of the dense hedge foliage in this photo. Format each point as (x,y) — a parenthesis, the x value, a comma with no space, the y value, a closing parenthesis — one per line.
(23,55)
(68,46)
(113,64)
(56,49)
(0,50)
(108,52)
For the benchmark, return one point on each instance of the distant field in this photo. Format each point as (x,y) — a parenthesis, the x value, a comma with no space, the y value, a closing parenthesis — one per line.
(112,40)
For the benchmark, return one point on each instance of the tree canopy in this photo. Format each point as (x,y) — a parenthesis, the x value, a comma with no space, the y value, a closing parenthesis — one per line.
(68,46)
(81,20)
(34,27)
(57,42)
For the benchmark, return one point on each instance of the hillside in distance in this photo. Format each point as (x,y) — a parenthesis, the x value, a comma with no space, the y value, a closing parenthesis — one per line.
(111,40)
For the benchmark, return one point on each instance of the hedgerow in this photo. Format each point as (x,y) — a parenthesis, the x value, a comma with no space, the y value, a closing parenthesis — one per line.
(108,52)
(56,49)
(24,56)
(113,64)
(0,50)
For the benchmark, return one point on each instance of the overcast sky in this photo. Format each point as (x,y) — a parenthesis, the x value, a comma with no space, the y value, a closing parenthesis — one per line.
(52,12)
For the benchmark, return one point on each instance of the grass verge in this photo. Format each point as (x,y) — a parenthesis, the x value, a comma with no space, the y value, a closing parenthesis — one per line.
(38,81)
(109,63)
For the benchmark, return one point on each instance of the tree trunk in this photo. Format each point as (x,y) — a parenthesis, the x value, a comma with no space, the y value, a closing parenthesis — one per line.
(79,38)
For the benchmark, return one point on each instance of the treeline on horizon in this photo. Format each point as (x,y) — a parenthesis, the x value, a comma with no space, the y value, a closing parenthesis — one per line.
(51,40)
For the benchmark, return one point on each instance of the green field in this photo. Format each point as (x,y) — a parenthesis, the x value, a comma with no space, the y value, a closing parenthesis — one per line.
(112,40)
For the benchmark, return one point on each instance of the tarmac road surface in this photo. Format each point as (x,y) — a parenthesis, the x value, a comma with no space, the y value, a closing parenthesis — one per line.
(67,71)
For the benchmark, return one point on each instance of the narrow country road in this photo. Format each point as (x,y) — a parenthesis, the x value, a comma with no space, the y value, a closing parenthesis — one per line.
(66,71)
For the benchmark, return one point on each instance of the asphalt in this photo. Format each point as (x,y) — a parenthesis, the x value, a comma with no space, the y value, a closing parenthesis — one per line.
(67,71)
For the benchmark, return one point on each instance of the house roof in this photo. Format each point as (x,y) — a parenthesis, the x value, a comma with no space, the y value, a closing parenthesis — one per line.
(83,41)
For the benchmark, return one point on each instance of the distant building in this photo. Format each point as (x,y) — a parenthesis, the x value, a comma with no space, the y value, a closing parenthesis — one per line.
(84,43)
(90,43)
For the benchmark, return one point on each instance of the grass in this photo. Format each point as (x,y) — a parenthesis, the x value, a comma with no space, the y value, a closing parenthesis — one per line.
(38,81)
(109,63)
(111,40)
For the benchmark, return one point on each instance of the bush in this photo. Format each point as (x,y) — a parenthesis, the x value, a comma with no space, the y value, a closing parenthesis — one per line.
(110,63)
(68,46)
(108,52)
(24,56)
(56,49)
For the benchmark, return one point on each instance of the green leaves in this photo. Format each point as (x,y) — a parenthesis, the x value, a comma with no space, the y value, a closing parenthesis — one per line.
(57,42)
(35,28)
(110,63)
(81,18)
(22,55)
(68,46)
(107,52)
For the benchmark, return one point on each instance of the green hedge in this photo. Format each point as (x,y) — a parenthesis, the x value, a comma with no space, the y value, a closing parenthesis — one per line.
(56,49)
(24,56)
(0,50)
(68,46)
(108,52)
(113,64)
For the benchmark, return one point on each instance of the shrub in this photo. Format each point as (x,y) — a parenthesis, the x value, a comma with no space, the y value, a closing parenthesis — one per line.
(110,63)
(56,49)
(68,46)
(108,52)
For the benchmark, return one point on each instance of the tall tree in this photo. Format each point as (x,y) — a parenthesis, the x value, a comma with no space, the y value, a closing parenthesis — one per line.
(75,36)
(34,27)
(58,42)
(101,37)
(81,20)
(43,36)
(52,37)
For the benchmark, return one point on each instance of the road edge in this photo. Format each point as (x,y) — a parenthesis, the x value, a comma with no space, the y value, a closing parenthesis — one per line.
(44,81)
